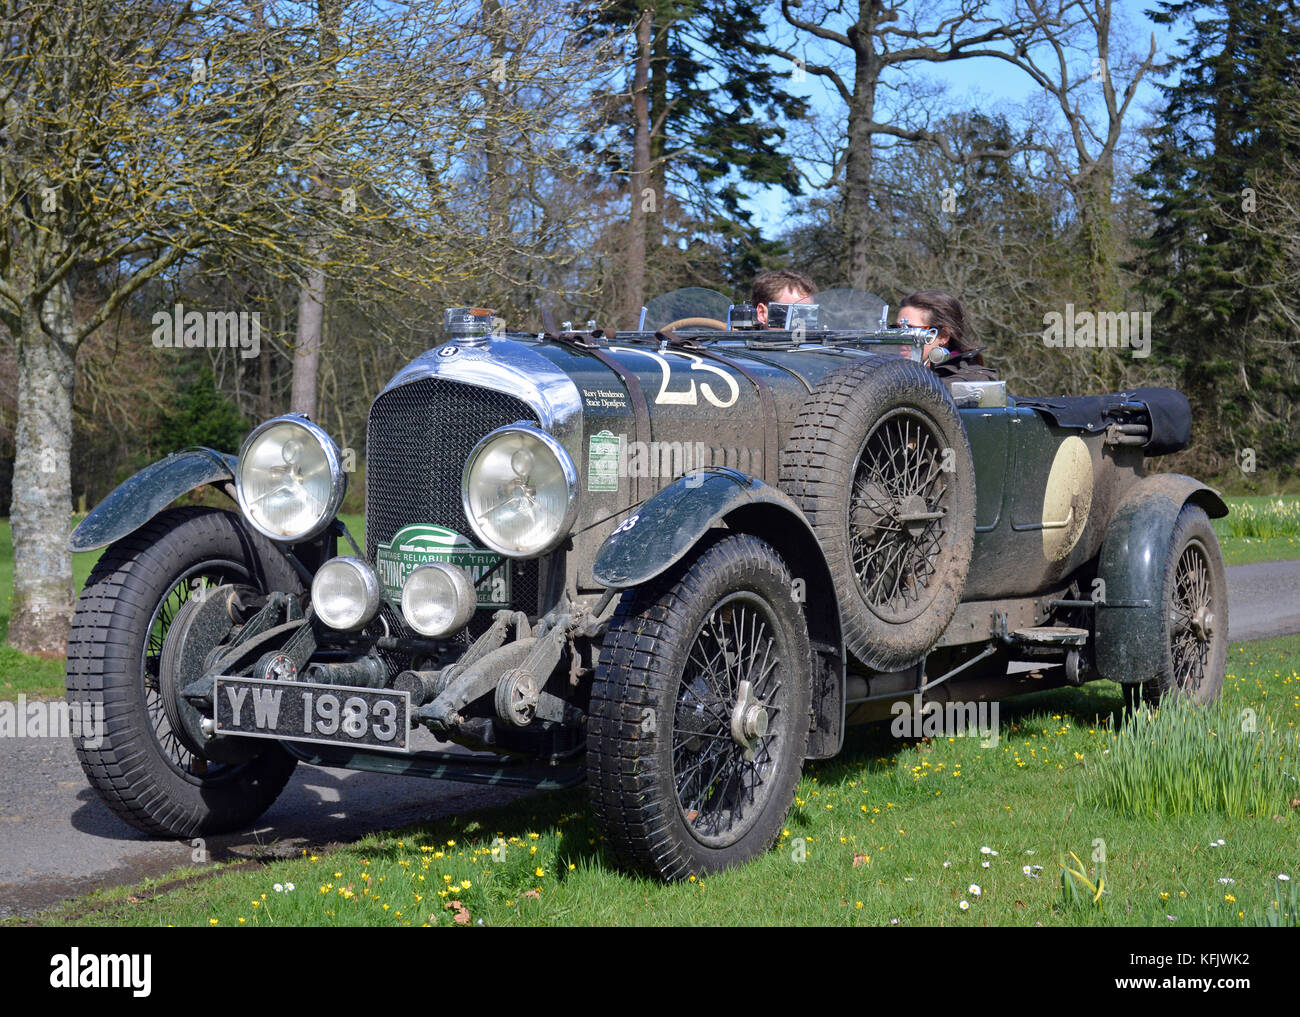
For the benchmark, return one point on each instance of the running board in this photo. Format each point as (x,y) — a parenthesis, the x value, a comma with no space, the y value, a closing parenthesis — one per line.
(1049,635)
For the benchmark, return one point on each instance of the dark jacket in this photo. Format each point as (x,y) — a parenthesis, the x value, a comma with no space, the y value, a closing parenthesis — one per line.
(962,367)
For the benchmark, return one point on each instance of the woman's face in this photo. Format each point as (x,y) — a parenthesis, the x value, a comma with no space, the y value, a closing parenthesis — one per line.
(919,318)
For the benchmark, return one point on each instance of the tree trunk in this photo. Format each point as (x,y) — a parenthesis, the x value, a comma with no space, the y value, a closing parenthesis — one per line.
(658,167)
(857,170)
(1095,213)
(636,233)
(311,296)
(264,379)
(494,144)
(41,510)
(311,318)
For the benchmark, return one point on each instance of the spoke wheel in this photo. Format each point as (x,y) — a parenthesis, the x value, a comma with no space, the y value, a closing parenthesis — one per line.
(879,462)
(1193,619)
(728,720)
(699,713)
(194,582)
(140,766)
(897,510)
(1194,623)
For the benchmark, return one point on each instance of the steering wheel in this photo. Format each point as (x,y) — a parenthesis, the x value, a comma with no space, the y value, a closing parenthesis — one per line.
(696,323)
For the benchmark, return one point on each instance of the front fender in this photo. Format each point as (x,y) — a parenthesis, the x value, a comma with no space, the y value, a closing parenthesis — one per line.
(661,532)
(137,500)
(1134,558)
(665,529)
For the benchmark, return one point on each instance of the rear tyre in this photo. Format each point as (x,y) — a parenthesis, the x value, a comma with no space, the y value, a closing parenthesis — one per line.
(141,767)
(879,462)
(1194,620)
(700,713)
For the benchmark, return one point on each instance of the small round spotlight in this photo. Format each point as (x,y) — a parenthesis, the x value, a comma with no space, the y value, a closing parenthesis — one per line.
(438,599)
(345,593)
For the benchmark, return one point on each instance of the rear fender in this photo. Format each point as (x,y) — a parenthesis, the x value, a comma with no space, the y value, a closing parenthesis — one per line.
(137,500)
(666,528)
(1132,565)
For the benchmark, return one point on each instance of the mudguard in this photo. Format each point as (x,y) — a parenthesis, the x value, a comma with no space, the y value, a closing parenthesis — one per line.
(137,500)
(669,525)
(1133,560)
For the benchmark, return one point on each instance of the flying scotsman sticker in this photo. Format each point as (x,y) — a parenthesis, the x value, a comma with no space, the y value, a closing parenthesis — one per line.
(422,543)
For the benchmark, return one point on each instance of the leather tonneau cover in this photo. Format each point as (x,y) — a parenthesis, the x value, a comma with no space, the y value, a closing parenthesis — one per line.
(1170,413)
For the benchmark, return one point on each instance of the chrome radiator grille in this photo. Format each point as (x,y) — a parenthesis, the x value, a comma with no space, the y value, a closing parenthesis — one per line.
(418,438)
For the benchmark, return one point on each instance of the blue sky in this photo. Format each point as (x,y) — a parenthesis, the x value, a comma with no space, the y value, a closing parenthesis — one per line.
(987,83)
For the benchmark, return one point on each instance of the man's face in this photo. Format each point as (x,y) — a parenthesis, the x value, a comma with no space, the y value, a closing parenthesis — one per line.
(919,318)
(787,296)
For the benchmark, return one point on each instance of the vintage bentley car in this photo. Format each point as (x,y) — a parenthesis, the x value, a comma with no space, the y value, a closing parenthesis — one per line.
(672,563)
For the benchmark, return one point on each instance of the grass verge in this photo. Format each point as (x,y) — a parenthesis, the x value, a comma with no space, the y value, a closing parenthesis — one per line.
(1259,528)
(930,832)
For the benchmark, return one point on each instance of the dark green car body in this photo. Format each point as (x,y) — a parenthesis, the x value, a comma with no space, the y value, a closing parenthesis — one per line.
(679,440)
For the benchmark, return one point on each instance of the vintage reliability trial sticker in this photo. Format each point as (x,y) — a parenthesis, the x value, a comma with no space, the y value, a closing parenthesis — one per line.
(421,543)
(602,461)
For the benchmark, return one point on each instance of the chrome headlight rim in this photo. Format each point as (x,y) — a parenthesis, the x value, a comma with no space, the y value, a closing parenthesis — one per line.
(569,470)
(370,583)
(338,479)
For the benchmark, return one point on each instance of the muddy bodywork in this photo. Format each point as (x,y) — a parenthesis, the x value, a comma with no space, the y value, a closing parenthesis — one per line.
(141,497)
(1134,560)
(674,439)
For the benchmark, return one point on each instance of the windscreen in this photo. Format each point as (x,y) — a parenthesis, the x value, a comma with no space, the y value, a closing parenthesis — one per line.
(689,302)
(846,308)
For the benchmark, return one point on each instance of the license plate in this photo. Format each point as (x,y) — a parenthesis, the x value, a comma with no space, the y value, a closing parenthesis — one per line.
(307,712)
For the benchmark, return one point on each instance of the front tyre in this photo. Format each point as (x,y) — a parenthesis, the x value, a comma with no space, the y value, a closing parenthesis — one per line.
(699,713)
(139,765)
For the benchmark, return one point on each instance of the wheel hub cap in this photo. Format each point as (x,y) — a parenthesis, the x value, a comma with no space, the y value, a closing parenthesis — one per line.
(1203,624)
(748,719)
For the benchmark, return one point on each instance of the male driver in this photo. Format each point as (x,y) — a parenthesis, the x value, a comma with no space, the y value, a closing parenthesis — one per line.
(781,286)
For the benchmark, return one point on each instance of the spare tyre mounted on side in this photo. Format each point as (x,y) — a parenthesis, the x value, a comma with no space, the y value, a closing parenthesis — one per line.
(879,462)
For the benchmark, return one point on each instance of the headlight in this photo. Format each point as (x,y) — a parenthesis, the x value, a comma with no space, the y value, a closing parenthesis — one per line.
(345,593)
(438,599)
(520,491)
(290,479)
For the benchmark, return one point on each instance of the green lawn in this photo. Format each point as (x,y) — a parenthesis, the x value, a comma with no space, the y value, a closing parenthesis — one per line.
(889,832)
(20,672)
(1259,528)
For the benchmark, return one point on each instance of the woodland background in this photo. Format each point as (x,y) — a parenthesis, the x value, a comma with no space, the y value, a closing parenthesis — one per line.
(348,169)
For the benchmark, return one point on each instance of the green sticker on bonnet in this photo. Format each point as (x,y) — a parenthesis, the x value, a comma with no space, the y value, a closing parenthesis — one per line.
(602,461)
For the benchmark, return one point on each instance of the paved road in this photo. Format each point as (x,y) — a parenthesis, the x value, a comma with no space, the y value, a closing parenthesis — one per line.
(58,840)
(1263,600)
